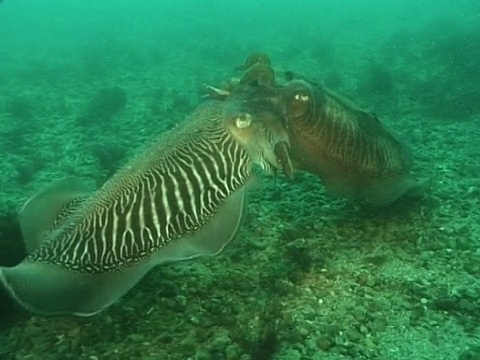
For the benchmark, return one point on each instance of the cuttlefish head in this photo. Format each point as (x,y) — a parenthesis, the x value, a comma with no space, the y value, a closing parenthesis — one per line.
(255,113)
(300,101)
(259,128)
(303,105)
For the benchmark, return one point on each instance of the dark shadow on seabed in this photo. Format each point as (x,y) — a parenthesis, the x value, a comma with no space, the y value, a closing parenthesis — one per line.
(11,253)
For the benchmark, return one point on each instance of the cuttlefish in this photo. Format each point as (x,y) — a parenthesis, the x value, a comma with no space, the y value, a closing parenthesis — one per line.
(181,199)
(348,148)
(351,151)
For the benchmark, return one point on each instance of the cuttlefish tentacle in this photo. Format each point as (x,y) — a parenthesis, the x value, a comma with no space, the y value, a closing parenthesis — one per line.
(182,199)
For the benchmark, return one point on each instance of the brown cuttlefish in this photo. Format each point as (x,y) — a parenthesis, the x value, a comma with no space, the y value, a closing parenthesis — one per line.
(354,155)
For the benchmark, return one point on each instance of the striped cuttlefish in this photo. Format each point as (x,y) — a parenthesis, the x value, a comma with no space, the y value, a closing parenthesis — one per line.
(183,198)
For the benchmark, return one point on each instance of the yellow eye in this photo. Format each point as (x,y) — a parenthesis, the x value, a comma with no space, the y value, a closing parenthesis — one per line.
(243,121)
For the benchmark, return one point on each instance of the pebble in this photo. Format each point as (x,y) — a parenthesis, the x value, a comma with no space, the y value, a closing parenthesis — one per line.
(202,355)
(231,352)
(325,342)
(303,331)
(467,306)
(471,294)
(353,335)
(378,325)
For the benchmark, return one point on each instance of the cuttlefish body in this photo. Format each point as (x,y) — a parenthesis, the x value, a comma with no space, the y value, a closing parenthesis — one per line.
(347,147)
(181,199)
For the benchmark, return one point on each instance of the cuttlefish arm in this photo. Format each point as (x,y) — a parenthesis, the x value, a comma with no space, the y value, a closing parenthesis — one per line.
(281,150)
(258,70)
(252,59)
(214,93)
(258,74)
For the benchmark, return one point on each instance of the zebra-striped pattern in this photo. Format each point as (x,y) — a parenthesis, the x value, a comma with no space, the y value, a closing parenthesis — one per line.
(66,211)
(171,191)
(350,137)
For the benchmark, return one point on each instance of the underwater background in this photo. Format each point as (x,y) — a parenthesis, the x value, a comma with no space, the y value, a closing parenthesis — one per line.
(84,85)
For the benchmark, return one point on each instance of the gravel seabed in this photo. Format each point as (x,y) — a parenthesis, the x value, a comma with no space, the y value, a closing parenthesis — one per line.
(309,276)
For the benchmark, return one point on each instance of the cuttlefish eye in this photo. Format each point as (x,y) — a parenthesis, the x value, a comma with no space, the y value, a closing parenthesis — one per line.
(299,103)
(243,121)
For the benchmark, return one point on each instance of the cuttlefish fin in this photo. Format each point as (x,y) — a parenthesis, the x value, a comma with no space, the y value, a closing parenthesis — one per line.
(49,289)
(45,210)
